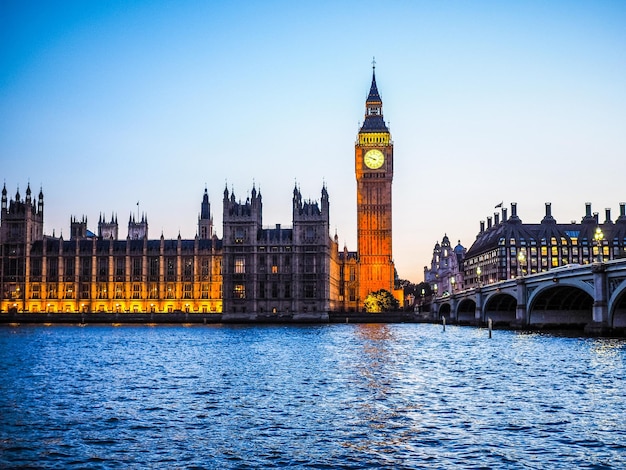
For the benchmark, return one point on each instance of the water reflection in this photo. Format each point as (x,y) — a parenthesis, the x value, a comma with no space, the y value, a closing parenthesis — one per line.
(386,404)
(375,361)
(608,348)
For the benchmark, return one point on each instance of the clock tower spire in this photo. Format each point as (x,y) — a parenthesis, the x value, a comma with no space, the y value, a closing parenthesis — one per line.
(374,108)
(373,152)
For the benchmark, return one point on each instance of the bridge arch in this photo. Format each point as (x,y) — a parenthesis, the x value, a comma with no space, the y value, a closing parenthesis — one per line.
(561,304)
(466,311)
(617,314)
(500,307)
(445,310)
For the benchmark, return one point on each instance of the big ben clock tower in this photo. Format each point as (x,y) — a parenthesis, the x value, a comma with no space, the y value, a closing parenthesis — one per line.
(373,162)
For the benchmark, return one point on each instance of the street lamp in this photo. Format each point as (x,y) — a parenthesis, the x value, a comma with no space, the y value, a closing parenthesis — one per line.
(435,287)
(598,237)
(452,282)
(521,258)
(478,272)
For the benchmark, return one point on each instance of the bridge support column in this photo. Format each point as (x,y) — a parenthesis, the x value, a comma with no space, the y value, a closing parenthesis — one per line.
(478,315)
(521,312)
(454,304)
(434,310)
(600,323)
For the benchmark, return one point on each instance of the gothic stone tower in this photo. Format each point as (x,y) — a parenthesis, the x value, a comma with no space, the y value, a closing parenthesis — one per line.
(205,221)
(78,228)
(242,222)
(21,224)
(311,247)
(108,230)
(137,229)
(373,159)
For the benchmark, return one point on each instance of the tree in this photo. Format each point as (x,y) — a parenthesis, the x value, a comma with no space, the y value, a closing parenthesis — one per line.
(380,301)
(408,287)
(416,291)
(423,289)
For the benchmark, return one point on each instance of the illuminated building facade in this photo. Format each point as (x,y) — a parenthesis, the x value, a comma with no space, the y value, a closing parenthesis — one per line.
(277,271)
(89,273)
(296,270)
(507,248)
(373,160)
(21,228)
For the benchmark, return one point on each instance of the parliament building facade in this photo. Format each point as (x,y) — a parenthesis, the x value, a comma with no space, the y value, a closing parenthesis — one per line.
(253,269)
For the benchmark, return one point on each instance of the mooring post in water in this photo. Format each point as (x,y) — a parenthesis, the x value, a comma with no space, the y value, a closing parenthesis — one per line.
(490,325)
(346,319)
(443,322)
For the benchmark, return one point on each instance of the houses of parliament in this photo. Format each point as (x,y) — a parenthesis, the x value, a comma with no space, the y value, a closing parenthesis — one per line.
(253,269)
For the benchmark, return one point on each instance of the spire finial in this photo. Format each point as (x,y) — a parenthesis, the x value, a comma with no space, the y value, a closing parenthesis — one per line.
(373,63)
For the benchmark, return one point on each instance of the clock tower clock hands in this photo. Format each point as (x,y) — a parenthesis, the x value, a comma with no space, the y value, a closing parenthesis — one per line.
(374,159)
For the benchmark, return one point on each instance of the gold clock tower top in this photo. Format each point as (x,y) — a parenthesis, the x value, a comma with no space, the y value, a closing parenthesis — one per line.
(374,147)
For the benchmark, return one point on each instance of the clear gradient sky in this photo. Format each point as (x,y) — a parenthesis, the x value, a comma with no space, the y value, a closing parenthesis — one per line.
(107,103)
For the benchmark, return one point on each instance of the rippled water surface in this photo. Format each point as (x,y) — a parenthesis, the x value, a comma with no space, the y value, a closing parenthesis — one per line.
(328,396)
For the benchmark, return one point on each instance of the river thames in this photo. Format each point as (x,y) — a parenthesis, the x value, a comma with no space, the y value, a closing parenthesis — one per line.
(315,396)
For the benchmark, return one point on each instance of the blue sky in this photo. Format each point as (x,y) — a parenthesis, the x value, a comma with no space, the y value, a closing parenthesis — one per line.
(104,104)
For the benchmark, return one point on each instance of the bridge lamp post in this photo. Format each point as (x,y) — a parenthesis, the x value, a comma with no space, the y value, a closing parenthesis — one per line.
(521,257)
(435,287)
(478,273)
(598,237)
(452,283)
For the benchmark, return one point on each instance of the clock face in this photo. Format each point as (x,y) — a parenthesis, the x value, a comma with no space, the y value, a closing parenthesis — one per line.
(374,159)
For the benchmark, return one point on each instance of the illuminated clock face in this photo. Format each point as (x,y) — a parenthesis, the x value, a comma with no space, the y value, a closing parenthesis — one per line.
(374,159)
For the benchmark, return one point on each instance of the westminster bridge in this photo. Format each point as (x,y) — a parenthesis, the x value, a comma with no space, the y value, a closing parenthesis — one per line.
(590,296)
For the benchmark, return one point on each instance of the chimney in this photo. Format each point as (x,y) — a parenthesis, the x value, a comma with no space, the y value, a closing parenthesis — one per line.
(596,217)
(622,211)
(482,226)
(607,216)
(488,222)
(589,218)
(548,217)
(496,218)
(514,210)
(504,212)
